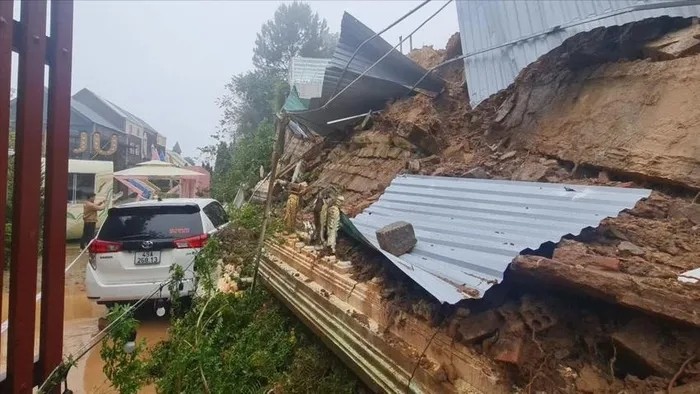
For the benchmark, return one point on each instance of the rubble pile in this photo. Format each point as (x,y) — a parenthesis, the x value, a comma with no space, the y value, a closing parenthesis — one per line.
(604,311)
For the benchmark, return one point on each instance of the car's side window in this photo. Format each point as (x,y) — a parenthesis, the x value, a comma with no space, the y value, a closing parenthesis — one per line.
(222,212)
(214,213)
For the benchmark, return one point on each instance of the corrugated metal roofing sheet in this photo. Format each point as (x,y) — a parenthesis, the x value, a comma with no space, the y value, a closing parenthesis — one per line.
(488,24)
(469,230)
(391,78)
(396,67)
(306,74)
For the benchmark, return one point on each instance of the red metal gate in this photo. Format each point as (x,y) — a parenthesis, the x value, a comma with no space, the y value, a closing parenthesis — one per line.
(27,37)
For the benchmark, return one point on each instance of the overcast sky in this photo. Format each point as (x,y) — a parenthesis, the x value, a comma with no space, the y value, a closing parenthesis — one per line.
(167,61)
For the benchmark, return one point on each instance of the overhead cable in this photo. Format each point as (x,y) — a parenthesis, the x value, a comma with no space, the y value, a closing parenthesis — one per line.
(409,13)
(385,55)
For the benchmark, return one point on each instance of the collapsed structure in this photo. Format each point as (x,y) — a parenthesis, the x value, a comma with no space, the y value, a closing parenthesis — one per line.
(574,287)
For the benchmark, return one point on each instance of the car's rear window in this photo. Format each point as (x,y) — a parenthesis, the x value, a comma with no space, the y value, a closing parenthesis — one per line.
(161,222)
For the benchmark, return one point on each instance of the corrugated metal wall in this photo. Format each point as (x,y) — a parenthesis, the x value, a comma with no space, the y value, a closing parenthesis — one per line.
(487,24)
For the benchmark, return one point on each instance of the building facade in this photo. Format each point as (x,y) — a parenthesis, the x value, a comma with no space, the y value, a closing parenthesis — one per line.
(140,139)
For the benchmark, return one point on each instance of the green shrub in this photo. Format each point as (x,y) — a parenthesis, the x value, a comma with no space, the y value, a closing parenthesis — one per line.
(241,164)
(234,343)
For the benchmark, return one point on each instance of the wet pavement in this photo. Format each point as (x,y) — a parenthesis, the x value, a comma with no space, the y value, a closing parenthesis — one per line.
(80,326)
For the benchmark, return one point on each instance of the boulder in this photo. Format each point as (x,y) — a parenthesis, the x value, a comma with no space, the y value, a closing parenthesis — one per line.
(397,238)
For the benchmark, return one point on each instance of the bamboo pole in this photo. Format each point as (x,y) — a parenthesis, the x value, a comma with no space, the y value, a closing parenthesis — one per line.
(281,126)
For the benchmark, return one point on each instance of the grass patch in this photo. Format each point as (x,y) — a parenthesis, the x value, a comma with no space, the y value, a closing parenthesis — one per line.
(243,342)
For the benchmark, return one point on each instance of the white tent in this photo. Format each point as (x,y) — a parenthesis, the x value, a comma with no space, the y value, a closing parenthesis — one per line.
(155,169)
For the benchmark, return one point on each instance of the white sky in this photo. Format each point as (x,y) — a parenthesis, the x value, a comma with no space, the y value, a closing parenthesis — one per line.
(167,61)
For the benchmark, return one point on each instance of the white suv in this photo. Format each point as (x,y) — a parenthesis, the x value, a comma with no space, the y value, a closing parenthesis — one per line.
(139,242)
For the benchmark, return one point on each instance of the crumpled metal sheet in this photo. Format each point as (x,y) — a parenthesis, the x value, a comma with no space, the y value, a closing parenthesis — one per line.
(390,79)
(469,230)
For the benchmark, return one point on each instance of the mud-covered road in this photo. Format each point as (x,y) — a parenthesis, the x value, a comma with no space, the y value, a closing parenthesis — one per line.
(80,326)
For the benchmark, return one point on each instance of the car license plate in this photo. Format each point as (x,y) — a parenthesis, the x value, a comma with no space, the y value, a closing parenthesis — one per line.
(147,258)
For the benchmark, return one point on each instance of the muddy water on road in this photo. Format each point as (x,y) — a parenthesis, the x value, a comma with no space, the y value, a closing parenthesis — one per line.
(80,326)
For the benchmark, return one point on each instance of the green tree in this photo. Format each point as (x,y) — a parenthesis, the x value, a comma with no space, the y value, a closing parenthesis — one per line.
(242,162)
(295,30)
(222,164)
(252,98)
(249,100)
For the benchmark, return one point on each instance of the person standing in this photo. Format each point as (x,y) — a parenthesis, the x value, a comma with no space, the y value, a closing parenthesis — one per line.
(90,210)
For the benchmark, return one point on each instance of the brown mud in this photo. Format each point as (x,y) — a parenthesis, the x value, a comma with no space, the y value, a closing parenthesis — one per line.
(604,310)
(80,325)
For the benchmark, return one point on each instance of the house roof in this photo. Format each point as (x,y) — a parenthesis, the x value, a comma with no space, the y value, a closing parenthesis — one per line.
(121,111)
(131,117)
(75,105)
(91,115)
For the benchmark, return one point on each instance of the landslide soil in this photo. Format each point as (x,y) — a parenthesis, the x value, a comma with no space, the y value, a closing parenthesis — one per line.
(593,111)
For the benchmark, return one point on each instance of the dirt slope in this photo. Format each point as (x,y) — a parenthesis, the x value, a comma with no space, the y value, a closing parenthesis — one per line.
(639,118)
(593,111)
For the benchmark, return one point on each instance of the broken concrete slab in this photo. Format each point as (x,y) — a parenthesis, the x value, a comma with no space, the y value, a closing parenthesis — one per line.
(531,172)
(681,43)
(627,248)
(413,166)
(423,140)
(692,276)
(686,211)
(639,339)
(536,315)
(674,301)
(475,328)
(397,238)
(508,350)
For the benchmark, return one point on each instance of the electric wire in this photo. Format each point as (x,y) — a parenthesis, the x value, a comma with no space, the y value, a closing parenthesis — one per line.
(4,325)
(396,22)
(374,64)
(103,333)
(385,55)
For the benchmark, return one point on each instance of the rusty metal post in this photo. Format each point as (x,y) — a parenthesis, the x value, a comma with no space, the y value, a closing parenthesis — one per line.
(25,222)
(6,27)
(56,179)
(281,126)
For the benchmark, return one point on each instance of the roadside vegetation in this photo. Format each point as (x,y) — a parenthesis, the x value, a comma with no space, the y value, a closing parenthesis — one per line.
(252,98)
(232,340)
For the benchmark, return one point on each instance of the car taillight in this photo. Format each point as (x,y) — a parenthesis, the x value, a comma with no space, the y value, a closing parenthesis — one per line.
(97,247)
(192,242)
